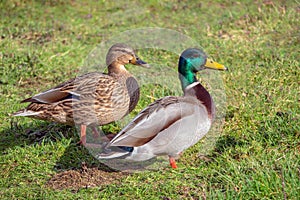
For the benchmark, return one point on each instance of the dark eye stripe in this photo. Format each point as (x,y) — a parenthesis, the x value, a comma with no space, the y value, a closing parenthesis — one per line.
(126,51)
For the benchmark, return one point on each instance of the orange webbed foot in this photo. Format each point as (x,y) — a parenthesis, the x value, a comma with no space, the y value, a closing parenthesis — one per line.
(172,162)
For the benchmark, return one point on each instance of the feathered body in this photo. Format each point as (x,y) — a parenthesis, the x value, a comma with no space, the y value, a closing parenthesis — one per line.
(171,124)
(91,99)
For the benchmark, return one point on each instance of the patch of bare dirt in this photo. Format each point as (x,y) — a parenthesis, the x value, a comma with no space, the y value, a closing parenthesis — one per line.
(84,178)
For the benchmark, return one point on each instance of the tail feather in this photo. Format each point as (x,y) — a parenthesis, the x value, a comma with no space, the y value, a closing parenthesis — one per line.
(25,113)
(115,152)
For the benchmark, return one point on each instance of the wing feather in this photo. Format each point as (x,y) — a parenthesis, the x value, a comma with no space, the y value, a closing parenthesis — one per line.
(157,117)
(85,85)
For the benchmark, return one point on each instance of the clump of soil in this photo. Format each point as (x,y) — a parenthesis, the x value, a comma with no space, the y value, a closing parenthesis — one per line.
(84,178)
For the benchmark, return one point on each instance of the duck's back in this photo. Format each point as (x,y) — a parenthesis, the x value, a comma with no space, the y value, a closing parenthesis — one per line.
(92,98)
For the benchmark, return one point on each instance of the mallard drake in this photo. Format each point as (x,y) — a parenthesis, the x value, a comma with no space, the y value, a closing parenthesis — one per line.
(91,99)
(171,124)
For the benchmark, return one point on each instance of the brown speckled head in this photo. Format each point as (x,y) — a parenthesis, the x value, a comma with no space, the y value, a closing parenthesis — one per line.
(121,54)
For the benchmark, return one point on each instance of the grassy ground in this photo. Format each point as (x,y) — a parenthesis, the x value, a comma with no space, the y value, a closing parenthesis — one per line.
(257,155)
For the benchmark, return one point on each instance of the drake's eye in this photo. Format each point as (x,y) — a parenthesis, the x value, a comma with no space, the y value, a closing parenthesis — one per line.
(137,58)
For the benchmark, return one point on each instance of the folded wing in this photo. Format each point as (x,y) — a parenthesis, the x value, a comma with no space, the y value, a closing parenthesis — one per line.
(157,117)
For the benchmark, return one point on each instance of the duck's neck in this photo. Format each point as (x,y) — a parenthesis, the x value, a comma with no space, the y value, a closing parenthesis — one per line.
(126,79)
(187,78)
(116,69)
(191,87)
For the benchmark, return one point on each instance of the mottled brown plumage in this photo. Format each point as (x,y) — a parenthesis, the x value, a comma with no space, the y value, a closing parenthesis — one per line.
(90,99)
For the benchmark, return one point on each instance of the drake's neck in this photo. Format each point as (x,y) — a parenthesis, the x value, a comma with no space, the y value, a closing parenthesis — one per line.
(186,79)
(197,90)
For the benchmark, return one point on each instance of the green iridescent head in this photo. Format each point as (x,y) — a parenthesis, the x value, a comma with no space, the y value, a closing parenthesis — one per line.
(191,61)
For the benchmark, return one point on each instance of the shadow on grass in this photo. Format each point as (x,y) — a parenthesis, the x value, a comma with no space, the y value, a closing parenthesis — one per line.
(75,169)
(41,132)
(35,132)
(226,142)
(77,157)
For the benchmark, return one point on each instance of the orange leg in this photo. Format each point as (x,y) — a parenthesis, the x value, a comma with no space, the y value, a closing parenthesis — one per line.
(172,162)
(82,135)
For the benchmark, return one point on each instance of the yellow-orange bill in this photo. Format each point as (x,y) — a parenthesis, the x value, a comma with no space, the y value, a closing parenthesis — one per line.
(214,65)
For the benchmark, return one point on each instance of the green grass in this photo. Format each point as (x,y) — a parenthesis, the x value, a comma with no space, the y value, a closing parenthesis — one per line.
(257,154)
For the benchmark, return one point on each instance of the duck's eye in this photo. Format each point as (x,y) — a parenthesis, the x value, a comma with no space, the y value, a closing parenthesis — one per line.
(137,58)
(211,62)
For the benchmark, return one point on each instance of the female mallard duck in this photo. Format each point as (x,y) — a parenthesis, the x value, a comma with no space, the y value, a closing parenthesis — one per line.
(171,124)
(91,99)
